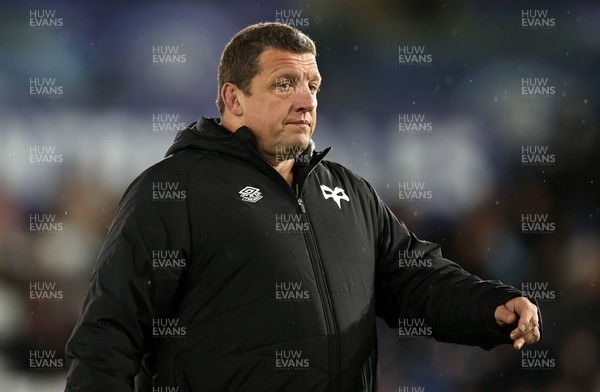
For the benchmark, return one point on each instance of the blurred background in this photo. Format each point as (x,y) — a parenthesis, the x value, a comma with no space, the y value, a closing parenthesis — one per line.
(490,109)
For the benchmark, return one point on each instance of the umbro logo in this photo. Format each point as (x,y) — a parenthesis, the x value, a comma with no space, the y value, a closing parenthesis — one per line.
(250,194)
(337,194)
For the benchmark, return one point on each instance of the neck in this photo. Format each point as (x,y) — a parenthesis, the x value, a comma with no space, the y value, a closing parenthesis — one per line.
(284,168)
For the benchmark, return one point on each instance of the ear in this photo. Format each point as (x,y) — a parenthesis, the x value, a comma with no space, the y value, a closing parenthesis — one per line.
(233,99)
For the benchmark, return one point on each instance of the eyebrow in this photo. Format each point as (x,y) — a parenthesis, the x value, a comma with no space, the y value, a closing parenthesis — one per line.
(294,76)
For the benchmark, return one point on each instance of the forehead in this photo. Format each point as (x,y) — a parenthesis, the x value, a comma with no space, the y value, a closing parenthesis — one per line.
(273,61)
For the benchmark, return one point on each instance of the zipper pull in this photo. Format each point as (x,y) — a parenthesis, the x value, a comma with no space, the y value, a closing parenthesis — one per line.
(301,204)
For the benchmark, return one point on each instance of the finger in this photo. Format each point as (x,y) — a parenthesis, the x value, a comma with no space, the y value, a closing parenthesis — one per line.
(517,333)
(526,308)
(534,319)
(518,343)
(532,336)
(525,318)
(504,316)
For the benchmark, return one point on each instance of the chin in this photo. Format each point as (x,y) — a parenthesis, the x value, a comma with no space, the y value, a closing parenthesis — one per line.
(300,141)
(302,146)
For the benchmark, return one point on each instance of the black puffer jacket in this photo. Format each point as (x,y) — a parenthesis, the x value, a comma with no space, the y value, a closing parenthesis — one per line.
(216,275)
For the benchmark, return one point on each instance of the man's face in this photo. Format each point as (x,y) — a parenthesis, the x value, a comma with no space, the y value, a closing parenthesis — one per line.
(281,110)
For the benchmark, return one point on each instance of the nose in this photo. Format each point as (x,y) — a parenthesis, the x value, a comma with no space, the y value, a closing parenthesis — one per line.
(305,100)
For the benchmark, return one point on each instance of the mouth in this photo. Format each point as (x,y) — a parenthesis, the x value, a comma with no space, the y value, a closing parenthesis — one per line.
(302,123)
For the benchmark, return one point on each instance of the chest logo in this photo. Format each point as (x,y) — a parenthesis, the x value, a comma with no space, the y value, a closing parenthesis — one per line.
(337,194)
(250,194)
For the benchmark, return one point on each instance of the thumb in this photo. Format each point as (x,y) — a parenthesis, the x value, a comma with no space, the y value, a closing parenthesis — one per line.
(504,316)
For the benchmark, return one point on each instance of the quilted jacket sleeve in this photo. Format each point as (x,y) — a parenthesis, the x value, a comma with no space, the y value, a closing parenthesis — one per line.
(415,284)
(127,291)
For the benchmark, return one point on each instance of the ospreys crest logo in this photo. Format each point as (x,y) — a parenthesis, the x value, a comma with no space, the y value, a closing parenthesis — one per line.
(337,194)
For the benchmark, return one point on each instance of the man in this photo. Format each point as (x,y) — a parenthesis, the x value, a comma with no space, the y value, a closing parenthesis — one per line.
(246,262)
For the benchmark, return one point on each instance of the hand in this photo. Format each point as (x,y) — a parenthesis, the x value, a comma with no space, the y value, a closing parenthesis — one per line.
(527,331)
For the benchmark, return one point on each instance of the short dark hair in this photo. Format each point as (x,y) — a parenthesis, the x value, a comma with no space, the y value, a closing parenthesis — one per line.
(239,61)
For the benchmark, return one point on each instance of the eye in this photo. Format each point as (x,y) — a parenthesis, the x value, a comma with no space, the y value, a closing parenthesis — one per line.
(314,88)
(283,85)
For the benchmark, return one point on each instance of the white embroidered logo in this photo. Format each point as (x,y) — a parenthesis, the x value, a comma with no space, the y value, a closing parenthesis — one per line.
(337,194)
(250,194)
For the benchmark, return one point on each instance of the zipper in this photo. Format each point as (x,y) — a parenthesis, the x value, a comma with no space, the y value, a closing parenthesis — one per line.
(315,260)
(326,302)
